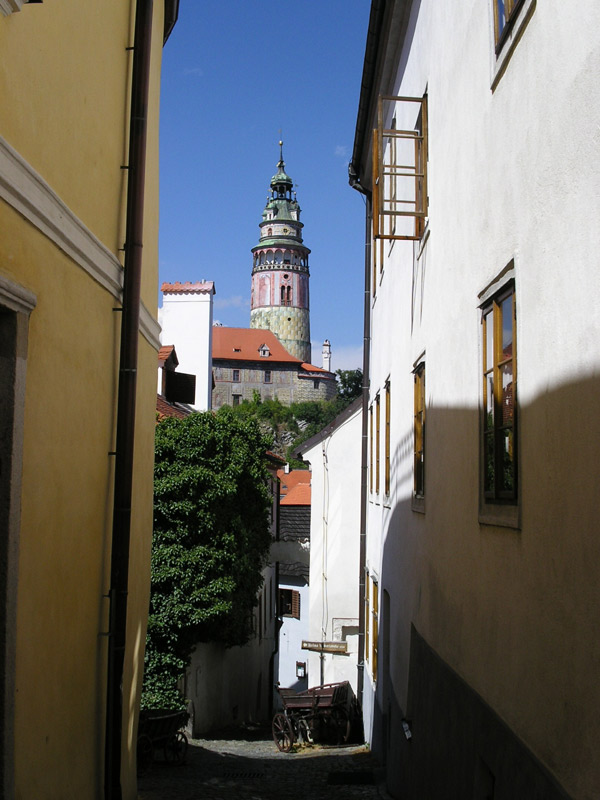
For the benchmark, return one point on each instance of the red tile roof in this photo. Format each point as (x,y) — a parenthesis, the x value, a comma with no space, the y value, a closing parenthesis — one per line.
(312,368)
(287,480)
(200,287)
(298,495)
(243,344)
(164,353)
(166,409)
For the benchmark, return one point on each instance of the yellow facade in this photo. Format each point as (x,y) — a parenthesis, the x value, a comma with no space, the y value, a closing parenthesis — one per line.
(65,81)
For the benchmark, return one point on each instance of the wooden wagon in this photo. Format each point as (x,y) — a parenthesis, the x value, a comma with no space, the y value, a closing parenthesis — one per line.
(161,730)
(323,713)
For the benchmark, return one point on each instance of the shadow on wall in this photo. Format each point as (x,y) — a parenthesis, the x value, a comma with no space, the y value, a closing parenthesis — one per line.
(514,610)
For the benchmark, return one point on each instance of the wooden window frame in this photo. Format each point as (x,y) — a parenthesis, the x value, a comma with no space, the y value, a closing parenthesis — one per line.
(511,12)
(233,375)
(387,441)
(374,628)
(268,376)
(371,448)
(387,205)
(293,604)
(419,432)
(495,433)
(367,617)
(377,443)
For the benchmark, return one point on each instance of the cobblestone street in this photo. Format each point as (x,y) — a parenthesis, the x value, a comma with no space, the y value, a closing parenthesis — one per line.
(251,768)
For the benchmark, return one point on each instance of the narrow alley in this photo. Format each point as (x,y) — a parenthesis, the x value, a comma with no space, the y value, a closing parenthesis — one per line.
(251,768)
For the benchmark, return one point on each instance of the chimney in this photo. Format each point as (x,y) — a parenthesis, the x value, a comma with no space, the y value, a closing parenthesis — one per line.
(327,355)
(186,320)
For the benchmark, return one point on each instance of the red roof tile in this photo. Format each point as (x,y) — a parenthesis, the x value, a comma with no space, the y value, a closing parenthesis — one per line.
(243,344)
(323,372)
(287,480)
(200,287)
(166,409)
(297,496)
(164,353)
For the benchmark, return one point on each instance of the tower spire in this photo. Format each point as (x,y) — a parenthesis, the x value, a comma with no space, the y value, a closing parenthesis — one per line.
(279,297)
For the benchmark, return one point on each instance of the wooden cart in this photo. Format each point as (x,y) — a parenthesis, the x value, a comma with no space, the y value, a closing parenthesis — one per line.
(161,730)
(322,714)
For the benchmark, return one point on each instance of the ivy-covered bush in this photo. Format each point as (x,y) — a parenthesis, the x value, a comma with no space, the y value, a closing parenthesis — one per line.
(211,541)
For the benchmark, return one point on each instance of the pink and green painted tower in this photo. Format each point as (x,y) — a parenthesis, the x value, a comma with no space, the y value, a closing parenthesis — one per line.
(279,298)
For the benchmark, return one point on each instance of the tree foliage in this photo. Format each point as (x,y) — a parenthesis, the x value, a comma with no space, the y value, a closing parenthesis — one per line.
(349,385)
(294,424)
(210,543)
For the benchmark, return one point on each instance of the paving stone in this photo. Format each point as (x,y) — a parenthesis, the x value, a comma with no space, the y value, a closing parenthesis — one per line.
(248,766)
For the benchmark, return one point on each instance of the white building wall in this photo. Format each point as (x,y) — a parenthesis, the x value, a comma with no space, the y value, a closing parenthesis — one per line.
(334,549)
(186,318)
(291,634)
(234,685)
(510,179)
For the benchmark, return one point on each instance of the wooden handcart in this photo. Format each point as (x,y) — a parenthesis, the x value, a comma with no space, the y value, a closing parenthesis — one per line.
(161,730)
(321,714)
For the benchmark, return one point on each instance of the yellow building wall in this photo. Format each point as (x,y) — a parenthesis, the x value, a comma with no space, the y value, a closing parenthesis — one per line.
(64,91)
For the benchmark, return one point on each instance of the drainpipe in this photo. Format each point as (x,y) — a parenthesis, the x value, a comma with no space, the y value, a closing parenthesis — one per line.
(362,558)
(119,574)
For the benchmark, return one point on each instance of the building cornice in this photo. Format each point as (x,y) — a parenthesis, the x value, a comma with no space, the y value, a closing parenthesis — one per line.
(22,188)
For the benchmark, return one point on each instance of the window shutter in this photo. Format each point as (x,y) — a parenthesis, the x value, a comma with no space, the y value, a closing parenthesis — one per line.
(296,605)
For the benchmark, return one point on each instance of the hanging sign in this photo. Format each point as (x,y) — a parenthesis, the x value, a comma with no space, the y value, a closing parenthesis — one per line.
(325,647)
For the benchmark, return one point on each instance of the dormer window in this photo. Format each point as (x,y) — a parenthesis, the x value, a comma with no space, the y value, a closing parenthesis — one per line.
(264,351)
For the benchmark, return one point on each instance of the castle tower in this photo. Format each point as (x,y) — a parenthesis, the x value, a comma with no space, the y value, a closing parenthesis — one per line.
(279,298)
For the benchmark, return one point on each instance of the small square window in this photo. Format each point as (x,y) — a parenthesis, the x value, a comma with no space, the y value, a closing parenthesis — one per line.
(289,603)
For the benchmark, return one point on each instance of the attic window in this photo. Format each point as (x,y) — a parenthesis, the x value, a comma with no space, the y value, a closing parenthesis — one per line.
(237,349)
(400,168)
(264,351)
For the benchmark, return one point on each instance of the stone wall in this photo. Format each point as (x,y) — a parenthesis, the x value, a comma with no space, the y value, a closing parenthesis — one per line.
(288,384)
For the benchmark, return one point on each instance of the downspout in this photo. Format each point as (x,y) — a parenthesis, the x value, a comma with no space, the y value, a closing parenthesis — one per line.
(362,557)
(121,534)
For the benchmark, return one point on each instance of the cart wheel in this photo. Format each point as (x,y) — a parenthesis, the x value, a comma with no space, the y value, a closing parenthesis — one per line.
(341,722)
(283,735)
(176,748)
(145,753)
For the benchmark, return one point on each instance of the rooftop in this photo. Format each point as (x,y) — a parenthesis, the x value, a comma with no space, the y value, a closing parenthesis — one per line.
(199,287)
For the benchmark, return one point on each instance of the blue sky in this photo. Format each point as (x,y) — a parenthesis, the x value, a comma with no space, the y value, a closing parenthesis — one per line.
(235,72)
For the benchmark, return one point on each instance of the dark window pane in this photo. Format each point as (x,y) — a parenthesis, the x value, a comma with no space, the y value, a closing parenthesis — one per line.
(501,16)
(507,394)
(508,467)
(489,401)
(489,340)
(490,471)
(506,310)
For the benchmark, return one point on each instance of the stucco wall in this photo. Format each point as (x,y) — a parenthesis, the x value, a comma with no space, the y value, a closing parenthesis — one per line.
(334,549)
(186,322)
(511,611)
(63,140)
(235,686)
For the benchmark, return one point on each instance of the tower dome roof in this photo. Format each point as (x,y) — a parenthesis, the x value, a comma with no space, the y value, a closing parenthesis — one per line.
(281,176)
